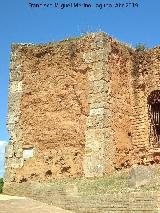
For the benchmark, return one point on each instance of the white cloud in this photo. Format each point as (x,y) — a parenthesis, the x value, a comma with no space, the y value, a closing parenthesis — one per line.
(2,146)
(2,156)
(2,143)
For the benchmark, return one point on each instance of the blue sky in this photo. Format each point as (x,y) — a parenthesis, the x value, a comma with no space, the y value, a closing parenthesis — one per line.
(21,24)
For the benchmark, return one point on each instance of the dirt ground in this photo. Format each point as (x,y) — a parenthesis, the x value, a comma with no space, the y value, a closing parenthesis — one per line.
(13,204)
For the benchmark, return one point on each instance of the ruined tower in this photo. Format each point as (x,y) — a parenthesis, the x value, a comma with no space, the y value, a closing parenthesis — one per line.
(81,107)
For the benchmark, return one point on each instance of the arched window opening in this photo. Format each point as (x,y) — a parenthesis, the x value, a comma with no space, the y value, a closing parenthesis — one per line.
(154,114)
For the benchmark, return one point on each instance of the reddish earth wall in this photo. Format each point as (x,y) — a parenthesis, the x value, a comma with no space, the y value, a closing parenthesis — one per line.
(121,65)
(53,109)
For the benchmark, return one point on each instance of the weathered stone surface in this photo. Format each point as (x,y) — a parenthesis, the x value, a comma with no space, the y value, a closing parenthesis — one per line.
(98,111)
(16,86)
(14,162)
(140,176)
(95,56)
(95,121)
(97,98)
(13,118)
(71,190)
(95,134)
(94,165)
(94,159)
(9,151)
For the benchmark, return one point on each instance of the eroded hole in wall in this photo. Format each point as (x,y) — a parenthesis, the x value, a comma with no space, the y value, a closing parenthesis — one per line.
(23,180)
(33,175)
(76,154)
(129,134)
(65,169)
(48,173)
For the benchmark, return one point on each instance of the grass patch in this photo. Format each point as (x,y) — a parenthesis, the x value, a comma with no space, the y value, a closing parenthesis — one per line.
(103,185)
(110,183)
(140,47)
(1,185)
(94,186)
(71,39)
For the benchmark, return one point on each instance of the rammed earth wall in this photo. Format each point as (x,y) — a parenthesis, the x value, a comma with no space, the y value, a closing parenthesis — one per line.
(53,109)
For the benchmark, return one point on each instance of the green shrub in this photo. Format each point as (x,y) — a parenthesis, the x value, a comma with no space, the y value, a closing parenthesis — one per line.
(1,184)
(140,47)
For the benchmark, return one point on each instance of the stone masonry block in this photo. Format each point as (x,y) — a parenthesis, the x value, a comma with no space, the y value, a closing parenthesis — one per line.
(98,111)
(96,121)
(108,135)
(13,118)
(97,97)
(95,134)
(140,175)
(100,65)
(9,151)
(9,175)
(15,86)
(15,74)
(93,166)
(98,74)
(108,114)
(14,101)
(91,76)
(19,153)
(94,146)
(100,41)
(100,86)
(99,71)
(15,54)
(98,105)
(11,127)
(16,135)
(14,162)
(94,56)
